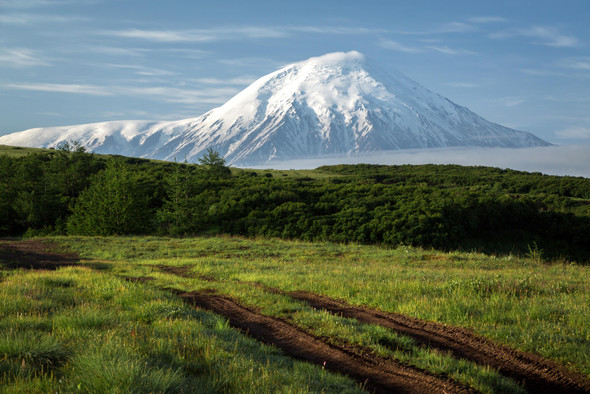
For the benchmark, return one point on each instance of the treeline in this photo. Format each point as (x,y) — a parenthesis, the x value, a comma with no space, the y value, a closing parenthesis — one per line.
(69,191)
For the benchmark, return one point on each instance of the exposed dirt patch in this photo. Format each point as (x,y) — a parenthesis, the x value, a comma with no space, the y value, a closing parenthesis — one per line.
(138,279)
(268,289)
(185,272)
(34,254)
(382,376)
(536,373)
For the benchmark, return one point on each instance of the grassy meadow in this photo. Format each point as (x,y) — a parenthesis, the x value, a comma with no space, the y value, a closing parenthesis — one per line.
(87,328)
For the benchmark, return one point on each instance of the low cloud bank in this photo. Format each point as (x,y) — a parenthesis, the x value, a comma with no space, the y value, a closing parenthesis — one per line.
(552,160)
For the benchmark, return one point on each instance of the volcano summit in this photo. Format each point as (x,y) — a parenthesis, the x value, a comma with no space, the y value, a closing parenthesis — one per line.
(335,104)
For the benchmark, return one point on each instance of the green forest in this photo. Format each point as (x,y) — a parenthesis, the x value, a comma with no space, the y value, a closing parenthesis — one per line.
(447,207)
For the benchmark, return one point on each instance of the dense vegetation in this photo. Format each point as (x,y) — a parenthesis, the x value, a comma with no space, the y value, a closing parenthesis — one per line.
(68,191)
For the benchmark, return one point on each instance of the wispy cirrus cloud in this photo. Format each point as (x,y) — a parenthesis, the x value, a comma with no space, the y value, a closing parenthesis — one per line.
(573,67)
(510,101)
(577,63)
(252,62)
(216,95)
(581,133)
(139,70)
(21,57)
(92,90)
(545,35)
(446,28)
(551,37)
(163,35)
(116,51)
(29,19)
(339,30)
(543,72)
(234,32)
(451,51)
(487,19)
(24,4)
(238,81)
(396,46)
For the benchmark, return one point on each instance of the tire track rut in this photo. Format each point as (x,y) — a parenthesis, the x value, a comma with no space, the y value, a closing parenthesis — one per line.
(536,373)
(379,375)
(35,255)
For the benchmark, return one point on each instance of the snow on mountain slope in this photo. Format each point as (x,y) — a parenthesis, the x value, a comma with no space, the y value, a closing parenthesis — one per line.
(129,138)
(338,103)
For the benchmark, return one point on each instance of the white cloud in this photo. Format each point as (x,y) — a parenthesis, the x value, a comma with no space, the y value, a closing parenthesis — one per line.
(451,27)
(116,51)
(92,90)
(217,95)
(582,133)
(581,63)
(513,101)
(239,81)
(450,51)
(396,46)
(257,62)
(21,57)
(28,19)
(139,70)
(543,73)
(23,4)
(27,3)
(551,37)
(455,27)
(233,33)
(336,30)
(487,19)
(187,53)
(548,36)
(163,35)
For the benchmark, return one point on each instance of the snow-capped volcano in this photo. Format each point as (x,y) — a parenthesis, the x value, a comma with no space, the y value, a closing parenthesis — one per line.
(338,103)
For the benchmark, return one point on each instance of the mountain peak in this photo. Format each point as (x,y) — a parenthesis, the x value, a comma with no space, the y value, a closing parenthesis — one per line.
(334,59)
(338,103)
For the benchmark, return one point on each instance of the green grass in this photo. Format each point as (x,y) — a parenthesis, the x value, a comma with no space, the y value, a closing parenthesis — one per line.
(90,331)
(103,323)
(18,151)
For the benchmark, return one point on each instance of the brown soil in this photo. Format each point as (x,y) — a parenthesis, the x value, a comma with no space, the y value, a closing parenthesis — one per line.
(185,272)
(34,254)
(138,279)
(534,372)
(378,375)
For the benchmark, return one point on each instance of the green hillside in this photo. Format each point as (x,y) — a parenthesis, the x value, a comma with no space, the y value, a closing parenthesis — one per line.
(132,314)
(448,207)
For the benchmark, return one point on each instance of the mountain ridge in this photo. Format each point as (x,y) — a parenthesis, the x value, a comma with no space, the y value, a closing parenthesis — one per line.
(338,103)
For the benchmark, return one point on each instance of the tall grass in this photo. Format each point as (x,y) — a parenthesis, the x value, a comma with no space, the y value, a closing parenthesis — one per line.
(522,302)
(80,330)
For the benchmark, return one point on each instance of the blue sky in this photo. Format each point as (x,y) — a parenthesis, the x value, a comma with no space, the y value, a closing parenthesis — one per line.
(523,64)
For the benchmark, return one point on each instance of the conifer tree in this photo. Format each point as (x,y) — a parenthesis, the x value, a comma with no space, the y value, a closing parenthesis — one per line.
(112,204)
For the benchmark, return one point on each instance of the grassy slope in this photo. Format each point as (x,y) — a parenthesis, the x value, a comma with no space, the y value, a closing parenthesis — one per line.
(17,151)
(523,303)
(82,330)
